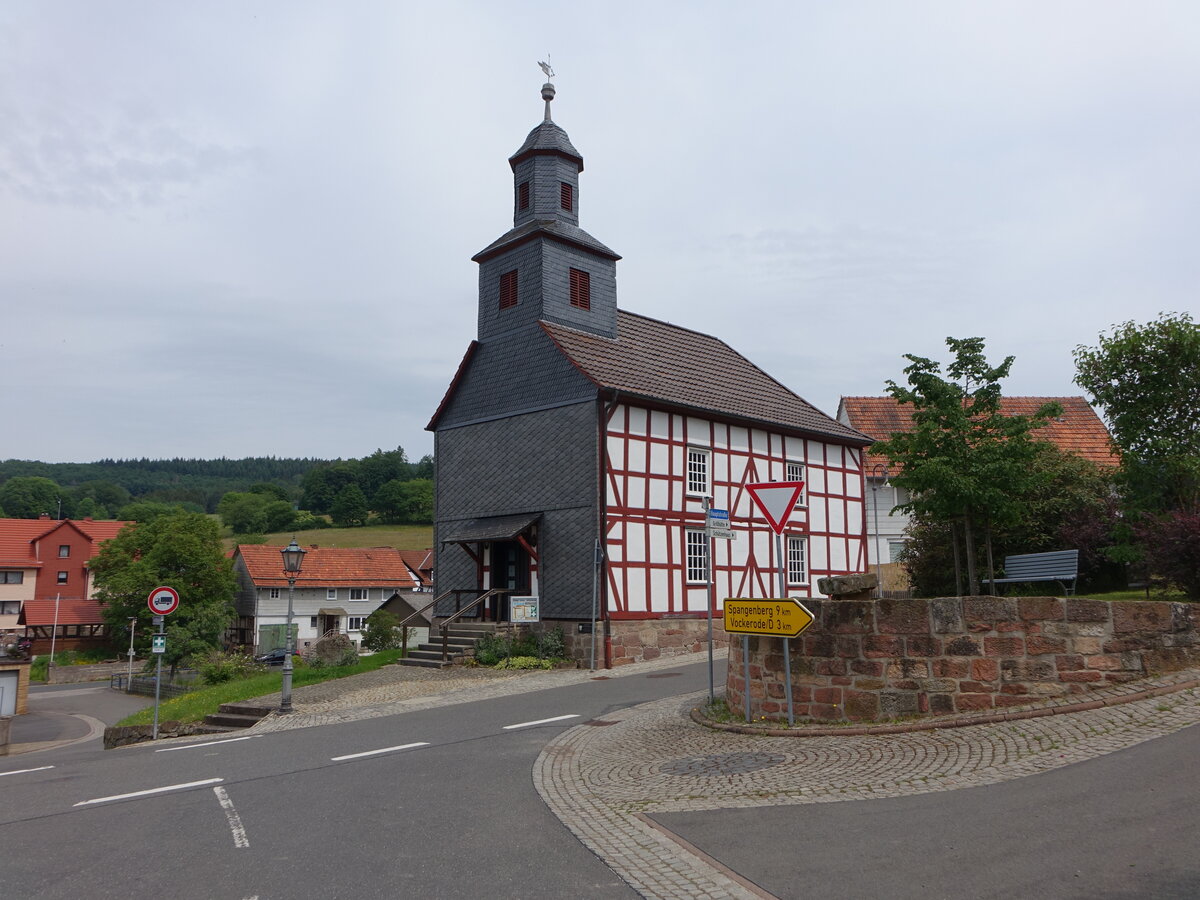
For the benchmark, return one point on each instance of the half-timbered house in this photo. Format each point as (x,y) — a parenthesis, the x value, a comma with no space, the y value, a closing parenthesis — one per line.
(578,445)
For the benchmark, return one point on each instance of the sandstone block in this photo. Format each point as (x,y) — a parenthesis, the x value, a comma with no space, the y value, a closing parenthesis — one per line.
(1004,646)
(842,585)
(950,668)
(1133,616)
(903,617)
(1083,610)
(988,610)
(964,646)
(947,615)
(1039,609)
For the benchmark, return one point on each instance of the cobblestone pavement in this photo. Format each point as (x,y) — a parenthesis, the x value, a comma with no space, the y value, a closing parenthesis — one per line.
(602,778)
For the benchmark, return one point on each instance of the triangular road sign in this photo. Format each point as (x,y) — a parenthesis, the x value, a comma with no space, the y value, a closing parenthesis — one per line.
(776,499)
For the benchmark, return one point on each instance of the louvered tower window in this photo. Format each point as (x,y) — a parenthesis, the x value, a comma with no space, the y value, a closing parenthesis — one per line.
(523,195)
(581,289)
(508,289)
(567,196)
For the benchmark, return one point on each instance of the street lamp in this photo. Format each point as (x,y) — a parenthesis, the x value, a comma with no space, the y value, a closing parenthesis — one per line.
(877,470)
(293,557)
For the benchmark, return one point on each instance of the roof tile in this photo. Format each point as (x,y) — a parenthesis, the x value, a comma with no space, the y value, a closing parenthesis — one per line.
(329,567)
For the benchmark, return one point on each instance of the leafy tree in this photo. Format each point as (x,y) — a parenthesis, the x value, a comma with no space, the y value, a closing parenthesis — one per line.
(104,494)
(270,490)
(88,508)
(145,511)
(350,506)
(405,501)
(382,632)
(1146,379)
(280,515)
(244,513)
(182,550)
(381,467)
(964,463)
(30,496)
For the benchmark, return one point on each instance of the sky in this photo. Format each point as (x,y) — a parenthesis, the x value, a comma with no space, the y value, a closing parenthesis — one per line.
(246,228)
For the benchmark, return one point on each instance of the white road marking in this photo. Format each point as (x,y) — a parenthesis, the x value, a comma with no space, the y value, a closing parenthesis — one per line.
(377,752)
(161,790)
(23,771)
(231,815)
(540,722)
(206,744)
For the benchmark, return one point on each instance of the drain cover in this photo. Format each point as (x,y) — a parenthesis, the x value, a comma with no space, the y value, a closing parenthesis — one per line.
(722,764)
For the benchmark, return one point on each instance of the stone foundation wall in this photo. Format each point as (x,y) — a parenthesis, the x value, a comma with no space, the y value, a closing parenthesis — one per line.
(57,674)
(875,660)
(641,639)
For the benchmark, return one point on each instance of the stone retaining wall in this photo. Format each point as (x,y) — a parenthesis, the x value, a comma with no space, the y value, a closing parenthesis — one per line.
(875,660)
(57,674)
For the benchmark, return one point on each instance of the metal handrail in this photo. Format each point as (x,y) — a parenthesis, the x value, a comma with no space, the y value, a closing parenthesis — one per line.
(445,626)
(403,623)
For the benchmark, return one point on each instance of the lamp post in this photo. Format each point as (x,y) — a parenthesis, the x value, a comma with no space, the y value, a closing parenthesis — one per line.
(877,470)
(293,557)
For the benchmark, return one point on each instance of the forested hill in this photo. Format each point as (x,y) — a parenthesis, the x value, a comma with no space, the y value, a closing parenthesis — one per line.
(200,481)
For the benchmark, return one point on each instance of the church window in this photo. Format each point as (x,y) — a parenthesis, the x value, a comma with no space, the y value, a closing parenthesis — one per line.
(566,196)
(581,289)
(508,289)
(523,195)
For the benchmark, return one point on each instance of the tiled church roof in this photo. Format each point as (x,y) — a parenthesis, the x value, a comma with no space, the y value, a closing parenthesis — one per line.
(1078,430)
(659,361)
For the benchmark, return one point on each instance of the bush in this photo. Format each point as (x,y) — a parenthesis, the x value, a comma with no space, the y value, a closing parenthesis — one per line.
(1170,546)
(524,662)
(221,666)
(381,632)
(492,649)
(342,656)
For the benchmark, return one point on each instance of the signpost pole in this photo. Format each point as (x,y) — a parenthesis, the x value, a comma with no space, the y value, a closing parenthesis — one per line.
(158,620)
(597,559)
(787,650)
(710,593)
(746,672)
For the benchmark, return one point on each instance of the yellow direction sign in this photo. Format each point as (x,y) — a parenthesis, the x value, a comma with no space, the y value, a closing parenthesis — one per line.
(786,617)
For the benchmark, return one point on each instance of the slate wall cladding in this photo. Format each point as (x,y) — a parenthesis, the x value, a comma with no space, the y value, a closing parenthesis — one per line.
(557,262)
(545,175)
(525,372)
(539,463)
(494,321)
(882,659)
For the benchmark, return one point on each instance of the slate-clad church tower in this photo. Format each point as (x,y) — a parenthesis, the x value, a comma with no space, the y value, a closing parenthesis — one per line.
(572,424)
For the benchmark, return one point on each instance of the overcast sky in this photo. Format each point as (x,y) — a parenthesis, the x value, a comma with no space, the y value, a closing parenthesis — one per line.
(246,228)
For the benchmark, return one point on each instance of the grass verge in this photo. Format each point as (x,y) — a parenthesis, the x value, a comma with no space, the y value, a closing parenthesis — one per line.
(402,537)
(193,707)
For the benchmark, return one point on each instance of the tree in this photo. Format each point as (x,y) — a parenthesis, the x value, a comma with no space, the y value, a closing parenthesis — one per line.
(964,463)
(181,550)
(379,468)
(145,511)
(405,501)
(350,506)
(243,512)
(271,490)
(382,632)
(1146,379)
(28,497)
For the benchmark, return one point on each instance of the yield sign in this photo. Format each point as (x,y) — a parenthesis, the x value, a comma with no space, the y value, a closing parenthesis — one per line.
(776,499)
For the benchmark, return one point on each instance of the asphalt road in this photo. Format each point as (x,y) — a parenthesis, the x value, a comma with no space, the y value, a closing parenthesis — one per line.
(1125,825)
(440,803)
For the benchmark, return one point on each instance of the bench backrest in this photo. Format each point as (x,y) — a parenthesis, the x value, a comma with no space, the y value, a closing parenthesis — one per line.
(1049,566)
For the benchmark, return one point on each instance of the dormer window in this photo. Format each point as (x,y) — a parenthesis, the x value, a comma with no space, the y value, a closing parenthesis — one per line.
(567,196)
(581,289)
(508,289)
(523,195)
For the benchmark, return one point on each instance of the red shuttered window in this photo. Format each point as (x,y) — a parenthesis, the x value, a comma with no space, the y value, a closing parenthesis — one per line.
(523,195)
(508,289)
(566,196)
(581,289)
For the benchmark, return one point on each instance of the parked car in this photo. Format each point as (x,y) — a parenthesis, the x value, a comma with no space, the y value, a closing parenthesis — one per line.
(273,658)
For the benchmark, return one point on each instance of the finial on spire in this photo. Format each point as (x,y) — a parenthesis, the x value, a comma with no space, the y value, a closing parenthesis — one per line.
(547,88)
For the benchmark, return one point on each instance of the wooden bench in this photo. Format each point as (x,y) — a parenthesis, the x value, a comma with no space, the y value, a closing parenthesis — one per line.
(1061,566)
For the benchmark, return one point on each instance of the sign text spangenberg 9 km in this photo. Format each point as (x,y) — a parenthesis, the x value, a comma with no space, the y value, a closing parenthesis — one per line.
(783,617)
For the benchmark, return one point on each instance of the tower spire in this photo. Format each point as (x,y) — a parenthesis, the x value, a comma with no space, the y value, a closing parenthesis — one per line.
(547,88)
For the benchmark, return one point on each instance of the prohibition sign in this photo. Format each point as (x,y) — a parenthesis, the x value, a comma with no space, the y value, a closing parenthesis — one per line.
(163,600)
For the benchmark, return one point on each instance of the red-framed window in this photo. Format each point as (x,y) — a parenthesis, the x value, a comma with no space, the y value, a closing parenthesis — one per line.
(508,289)
(581,289)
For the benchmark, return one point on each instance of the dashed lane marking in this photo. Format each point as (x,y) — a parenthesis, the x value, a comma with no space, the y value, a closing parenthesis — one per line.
(541,722)
(206,744)
(377,752)
(231,816)
(147,793)
(23,771)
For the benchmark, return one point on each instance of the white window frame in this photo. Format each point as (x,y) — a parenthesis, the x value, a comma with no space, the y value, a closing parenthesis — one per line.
(699,462)
(793,470)
(274,593)
(361,620)
(696,555)
(331,593)
(796,548)
(366,594)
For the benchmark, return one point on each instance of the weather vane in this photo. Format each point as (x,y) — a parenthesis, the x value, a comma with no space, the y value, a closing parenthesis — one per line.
(547,68)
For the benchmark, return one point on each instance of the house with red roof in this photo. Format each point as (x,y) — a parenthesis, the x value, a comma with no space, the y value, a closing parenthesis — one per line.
(337,588)
(579,445)
(1078,430)
(45,584)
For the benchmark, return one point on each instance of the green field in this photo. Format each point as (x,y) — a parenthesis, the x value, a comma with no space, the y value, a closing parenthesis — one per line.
(402,537)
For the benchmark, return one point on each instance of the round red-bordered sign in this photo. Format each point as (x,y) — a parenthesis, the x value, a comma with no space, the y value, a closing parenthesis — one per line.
(163,600)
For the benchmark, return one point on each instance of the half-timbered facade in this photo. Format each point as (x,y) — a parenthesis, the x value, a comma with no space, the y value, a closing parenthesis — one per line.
(578,444)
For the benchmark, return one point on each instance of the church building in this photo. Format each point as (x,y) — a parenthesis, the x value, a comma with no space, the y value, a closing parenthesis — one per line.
(578,445)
